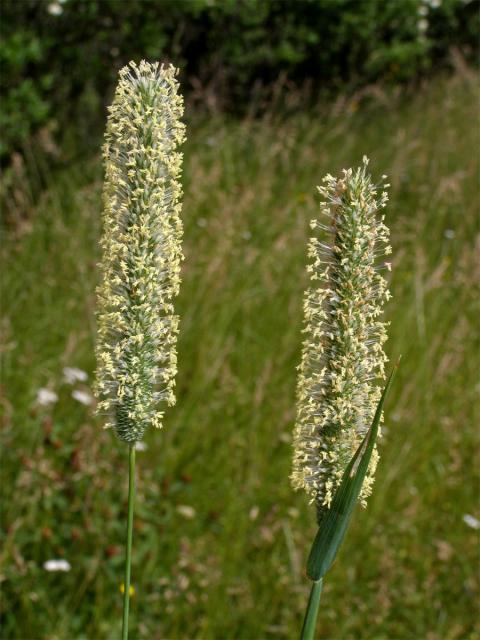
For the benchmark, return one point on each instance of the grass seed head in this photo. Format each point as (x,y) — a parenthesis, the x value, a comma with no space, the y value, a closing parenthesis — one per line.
(343,349)
(142,253)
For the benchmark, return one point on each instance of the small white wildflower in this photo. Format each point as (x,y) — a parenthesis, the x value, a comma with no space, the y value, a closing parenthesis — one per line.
(55,9)
(142,252)
(343,349)
(186,511)
(449,234)
(46,397)
(183,581)
(422,25)
(83,397)
(471,521)
(140,446)
(57,565)
(253,513)
(72,375)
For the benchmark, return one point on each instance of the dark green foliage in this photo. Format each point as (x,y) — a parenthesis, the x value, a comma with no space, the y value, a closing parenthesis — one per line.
(60,59)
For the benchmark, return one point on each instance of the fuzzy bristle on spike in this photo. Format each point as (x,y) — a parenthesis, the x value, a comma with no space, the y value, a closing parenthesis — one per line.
(142,253)
(343,353)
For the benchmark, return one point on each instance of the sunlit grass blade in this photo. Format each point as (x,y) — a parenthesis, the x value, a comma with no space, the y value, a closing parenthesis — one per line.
(335,522)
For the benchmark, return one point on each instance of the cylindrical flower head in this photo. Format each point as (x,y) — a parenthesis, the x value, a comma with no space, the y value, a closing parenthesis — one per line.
(141,243)
(342,354)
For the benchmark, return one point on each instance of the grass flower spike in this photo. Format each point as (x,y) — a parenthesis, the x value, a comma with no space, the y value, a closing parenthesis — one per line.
(342,353)
(137,327)
(339,403)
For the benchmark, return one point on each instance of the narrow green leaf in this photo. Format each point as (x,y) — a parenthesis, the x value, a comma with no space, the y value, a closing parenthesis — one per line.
(334,525)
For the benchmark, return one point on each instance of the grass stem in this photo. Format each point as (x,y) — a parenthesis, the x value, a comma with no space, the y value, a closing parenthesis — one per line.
(308,629)
(128,557)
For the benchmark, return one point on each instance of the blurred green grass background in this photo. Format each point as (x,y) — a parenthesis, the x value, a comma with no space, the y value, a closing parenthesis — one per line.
(220,539)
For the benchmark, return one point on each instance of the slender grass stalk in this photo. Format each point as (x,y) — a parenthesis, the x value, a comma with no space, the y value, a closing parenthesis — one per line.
(128,554)
(310,622)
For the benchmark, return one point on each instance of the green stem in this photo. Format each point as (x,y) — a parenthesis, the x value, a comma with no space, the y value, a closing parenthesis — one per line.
(308,629)
(128,558)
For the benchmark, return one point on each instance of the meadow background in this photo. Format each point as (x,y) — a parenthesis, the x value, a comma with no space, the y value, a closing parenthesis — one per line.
(220,538)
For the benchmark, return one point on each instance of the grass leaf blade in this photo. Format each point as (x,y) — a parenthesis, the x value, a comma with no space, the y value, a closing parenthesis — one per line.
(334,525)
